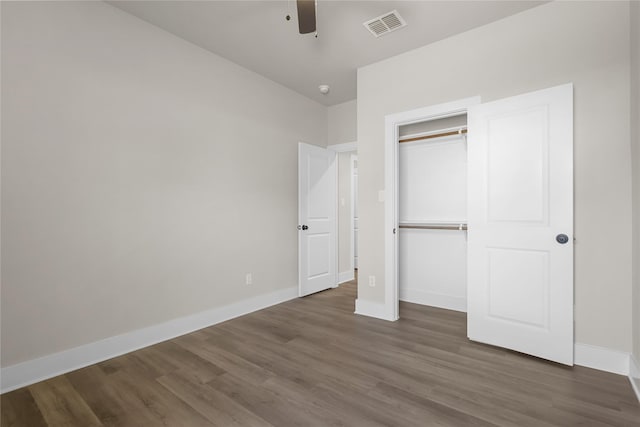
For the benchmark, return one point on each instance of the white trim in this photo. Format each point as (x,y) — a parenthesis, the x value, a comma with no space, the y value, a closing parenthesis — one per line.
(336,215)
(392,123)
(344,148)
(634,375)
(346,276)
(433,299)
(32,371)
(300,221)
(601,358)
(373,309)
(352,221)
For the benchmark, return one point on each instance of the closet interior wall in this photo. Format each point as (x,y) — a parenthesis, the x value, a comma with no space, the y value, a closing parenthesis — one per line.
(433,213)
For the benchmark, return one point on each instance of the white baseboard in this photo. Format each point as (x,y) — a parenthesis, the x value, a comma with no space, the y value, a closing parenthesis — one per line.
(373,309)
(32,371)
(418,296)
(603,359)
(346,276)
(634,375)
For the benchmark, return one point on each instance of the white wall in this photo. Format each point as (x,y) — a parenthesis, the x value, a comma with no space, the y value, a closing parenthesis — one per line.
(432,180)
(142,177)
(635,141)
(586,43)
(342,123)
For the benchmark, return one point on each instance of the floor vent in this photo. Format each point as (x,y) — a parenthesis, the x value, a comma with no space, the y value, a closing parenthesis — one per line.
(385,24)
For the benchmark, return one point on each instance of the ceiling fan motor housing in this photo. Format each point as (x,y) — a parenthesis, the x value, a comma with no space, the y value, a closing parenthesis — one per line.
(306,16)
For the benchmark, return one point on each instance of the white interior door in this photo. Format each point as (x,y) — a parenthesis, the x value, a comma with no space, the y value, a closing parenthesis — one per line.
(317,205)
(520,216)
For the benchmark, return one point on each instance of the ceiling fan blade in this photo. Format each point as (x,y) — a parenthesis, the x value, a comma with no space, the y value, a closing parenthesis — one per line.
(306,16)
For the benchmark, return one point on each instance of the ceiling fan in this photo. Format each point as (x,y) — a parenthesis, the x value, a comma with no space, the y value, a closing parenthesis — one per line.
(306,16)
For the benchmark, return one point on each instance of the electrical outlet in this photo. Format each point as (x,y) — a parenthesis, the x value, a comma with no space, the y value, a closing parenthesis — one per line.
(249,279)
(372,281)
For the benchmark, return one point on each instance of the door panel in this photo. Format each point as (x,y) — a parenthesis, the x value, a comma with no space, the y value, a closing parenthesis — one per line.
(520,279)
(518,166)
(519,286)
(317,204)
(319,254)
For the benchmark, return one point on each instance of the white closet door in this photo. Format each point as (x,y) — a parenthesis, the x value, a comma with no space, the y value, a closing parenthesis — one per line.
(520,216)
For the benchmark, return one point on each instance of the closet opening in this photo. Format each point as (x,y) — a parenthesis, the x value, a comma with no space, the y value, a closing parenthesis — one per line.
(432,212)
(425,207)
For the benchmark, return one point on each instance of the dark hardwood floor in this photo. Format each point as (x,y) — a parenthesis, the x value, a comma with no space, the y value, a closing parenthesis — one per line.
(312,362)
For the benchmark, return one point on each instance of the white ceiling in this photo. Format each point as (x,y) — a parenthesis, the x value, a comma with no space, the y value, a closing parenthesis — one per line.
(256,35)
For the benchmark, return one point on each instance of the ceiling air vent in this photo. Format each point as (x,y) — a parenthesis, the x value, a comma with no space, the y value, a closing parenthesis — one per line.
(385,24)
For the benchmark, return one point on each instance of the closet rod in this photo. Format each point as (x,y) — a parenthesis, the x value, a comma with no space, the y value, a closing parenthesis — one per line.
(437,135)
(435,226)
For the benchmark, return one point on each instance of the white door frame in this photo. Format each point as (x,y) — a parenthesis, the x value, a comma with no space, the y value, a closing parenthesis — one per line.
(392,124)
(352,230)
(347,147)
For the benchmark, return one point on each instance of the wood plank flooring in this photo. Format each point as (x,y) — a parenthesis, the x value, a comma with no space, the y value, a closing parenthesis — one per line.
(312,362)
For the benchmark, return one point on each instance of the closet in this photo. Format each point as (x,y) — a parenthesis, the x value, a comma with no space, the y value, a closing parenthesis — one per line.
(432,212)
(491,209)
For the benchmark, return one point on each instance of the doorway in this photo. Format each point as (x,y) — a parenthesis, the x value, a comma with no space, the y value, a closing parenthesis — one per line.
(327,216)
(432,213)
(347,241)
(393,123)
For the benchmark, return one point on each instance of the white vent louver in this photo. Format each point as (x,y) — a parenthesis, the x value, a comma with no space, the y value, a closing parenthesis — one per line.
(385,23)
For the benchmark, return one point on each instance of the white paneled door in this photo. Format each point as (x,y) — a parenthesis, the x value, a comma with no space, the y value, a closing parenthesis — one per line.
(520,216)
(317,205)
